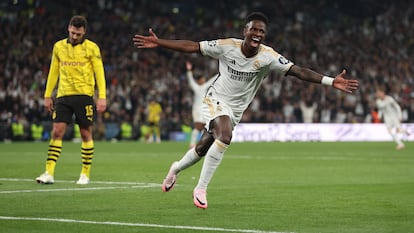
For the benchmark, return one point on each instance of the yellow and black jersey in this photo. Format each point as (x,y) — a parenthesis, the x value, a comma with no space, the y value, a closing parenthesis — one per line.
(154,112)
(77,68)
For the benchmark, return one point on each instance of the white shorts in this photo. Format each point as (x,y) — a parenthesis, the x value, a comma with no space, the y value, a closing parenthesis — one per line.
(198,114)
(213,108)
(392,122)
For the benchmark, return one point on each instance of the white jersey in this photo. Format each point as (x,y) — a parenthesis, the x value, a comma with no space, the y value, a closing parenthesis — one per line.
(199,92)
(239,77)
(390,110)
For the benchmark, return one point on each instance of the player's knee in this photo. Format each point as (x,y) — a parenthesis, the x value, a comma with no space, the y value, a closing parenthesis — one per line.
(201,150)
(58,132)
(225,139)
(204,145)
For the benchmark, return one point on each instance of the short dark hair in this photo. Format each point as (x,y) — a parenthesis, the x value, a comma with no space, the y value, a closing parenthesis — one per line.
(257,16)
(78,21)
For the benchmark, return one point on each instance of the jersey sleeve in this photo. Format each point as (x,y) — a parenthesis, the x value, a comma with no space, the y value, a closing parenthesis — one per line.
(279,63)
(212,48)
(53,75)
(99,72)
(191,80)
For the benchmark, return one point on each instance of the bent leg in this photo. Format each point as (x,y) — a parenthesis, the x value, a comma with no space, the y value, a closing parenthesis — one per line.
(221,129)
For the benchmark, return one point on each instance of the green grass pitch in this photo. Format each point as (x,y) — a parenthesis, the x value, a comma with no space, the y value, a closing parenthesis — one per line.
(326,187)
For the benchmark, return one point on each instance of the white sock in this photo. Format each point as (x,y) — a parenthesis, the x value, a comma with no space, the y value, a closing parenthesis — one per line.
(403,131)
(194,136)
(190,158)
(211,162)
(397,139)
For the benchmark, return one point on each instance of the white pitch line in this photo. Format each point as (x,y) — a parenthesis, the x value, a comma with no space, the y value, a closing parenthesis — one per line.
(72,181)
(139,225)
(131,185)
(74,189)
(322,158)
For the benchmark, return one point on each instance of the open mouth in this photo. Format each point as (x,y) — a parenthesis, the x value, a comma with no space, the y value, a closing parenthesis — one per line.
(255,41)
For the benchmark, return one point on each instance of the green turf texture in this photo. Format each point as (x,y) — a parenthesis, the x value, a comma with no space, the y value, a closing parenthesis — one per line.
(332,187)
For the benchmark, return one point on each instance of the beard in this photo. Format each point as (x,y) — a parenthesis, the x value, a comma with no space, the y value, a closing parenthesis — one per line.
(74,42)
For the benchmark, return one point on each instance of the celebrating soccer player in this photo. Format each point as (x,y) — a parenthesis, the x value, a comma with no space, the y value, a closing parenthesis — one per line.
(243,64)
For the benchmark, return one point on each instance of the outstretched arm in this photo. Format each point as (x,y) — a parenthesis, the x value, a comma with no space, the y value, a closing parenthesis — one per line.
(190,76)
(152,41)
(339,82)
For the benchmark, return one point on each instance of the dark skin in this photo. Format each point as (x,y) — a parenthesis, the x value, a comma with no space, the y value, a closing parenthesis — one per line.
(254,33)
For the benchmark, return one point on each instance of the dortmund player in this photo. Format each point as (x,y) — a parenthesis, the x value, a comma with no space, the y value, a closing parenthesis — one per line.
(77,66)
(154,111)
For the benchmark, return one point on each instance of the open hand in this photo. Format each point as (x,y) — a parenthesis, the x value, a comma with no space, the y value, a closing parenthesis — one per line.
(145,42)
(346,85)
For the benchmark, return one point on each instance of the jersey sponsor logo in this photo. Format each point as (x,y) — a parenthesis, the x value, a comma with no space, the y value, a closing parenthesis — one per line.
(72,63)
(240,75)
(283,60)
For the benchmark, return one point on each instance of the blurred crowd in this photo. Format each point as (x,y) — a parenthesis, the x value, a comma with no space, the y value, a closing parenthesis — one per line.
(372,40)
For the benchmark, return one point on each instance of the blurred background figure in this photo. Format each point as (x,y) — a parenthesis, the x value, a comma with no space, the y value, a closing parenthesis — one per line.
(199,87)
(154,111)
(390,111)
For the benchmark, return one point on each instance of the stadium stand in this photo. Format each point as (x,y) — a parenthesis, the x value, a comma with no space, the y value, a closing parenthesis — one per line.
(373,41)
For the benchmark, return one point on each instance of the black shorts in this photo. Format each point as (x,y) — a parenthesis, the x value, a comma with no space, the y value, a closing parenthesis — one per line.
(80,106)
(152,124)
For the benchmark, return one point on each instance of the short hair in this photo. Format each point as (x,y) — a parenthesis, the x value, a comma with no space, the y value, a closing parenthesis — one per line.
(78,21)
(257,16)
(381,88)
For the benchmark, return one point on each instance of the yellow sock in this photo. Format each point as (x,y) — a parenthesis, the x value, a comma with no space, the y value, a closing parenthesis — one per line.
(87,155)
(53,154)
(157,131)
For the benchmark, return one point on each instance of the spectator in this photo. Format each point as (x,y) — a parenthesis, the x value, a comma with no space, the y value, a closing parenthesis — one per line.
(36,130)
(376,33)
(308,108)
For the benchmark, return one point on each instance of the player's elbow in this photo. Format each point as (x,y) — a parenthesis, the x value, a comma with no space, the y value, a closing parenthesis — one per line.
(190,47)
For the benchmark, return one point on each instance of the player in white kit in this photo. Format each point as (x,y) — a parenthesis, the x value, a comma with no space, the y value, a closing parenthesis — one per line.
(390,111)
(199,89)
(243,64)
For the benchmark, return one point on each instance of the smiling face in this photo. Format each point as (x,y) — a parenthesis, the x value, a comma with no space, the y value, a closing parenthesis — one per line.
(254,34)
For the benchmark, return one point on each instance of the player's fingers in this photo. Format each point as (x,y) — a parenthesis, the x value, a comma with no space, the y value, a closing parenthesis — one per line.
(354,83)
(100,109)
(137,38)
